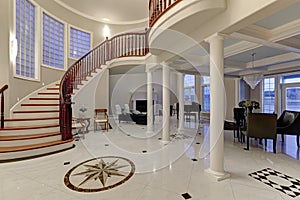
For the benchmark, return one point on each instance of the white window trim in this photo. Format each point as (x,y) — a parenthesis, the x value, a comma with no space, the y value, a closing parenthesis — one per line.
(36,46)
(275,93)
(69,38)
(65,40)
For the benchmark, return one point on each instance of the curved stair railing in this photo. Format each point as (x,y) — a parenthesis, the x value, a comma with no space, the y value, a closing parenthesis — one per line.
(123,45)
(2,104)
(158,7)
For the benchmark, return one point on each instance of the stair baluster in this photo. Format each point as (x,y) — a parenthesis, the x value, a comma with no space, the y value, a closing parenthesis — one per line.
(88,64)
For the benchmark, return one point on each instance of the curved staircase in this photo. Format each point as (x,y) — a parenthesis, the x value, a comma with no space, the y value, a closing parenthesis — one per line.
(41,123)
(33,129)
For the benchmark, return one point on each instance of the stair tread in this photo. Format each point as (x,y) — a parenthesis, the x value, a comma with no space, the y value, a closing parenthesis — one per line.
(43,98)
(28,127)
(48,93)
(52,88)
(35,111)
(25,137)
(30,119)
(33,146)
(39,104)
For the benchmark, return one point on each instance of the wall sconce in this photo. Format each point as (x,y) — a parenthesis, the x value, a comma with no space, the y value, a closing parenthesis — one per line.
(106,31)
(13,49)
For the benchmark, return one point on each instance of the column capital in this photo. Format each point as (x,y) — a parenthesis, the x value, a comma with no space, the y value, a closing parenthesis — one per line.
(151,67)
(219,36)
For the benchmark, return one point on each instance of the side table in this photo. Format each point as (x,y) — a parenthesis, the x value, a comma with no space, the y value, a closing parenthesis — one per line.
(87,122)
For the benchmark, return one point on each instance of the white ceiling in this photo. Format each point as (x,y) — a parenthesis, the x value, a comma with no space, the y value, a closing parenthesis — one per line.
(110,11)
(260,53)
(275,39)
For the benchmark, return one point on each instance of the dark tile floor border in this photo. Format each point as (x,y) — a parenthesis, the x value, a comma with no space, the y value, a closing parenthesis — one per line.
(293,190)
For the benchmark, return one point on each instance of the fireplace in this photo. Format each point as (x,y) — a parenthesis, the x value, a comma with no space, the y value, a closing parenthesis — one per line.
(141,105)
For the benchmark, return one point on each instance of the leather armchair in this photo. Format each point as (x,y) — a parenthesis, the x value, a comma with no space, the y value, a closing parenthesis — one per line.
(289,124)
(262,126)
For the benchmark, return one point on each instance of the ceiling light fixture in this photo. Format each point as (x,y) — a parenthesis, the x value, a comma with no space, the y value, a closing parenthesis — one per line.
(105,19)
(106,31)
(253,79)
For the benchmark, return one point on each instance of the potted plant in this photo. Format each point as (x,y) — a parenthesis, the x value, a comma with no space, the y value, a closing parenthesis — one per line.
(249,105)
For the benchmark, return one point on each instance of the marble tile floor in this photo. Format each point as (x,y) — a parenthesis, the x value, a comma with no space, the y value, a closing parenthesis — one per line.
(162,171)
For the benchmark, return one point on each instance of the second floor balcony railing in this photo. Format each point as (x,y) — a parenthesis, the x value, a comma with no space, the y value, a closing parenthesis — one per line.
(158,7)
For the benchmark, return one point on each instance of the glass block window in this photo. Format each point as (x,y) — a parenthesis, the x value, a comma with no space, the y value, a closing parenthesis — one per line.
(53,42)
(189,88)
(25,34)
(80,43)
(268,101)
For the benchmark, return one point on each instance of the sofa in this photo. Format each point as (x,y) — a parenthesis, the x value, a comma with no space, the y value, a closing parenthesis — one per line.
(133,116)
(289,124)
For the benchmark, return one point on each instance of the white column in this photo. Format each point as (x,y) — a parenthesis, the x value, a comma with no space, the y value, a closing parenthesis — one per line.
(149,102)
(166,103)
(180,88)
(217,107)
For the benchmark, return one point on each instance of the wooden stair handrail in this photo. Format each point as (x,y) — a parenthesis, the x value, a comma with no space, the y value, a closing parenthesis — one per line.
(5,87)
(157,8)
(122,45)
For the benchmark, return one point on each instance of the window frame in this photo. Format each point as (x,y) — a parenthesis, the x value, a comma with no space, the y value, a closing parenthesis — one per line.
(37,32)
(189,88)
(65,40)
(69,39)
(262,93)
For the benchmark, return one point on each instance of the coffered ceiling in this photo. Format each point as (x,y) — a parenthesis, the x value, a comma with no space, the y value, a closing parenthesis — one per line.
(275,40)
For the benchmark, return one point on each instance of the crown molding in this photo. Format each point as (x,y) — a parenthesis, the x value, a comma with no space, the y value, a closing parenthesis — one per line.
(100,20)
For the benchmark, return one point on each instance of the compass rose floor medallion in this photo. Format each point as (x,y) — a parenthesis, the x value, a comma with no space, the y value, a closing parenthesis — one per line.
(99,174)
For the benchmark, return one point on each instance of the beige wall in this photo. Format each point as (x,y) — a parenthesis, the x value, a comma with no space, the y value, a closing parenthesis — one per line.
(19,88)
(231,99)
(4,46)
(256,95)
(102,91)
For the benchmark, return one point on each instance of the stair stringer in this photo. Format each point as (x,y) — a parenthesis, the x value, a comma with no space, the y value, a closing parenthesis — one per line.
(25,99)
(85,95)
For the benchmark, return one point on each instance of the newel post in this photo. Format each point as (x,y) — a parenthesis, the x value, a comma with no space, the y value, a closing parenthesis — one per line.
(2,110)
(67,133)
(2,104)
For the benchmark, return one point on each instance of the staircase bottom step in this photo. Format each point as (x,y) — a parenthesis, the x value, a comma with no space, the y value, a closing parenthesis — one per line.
(11,154)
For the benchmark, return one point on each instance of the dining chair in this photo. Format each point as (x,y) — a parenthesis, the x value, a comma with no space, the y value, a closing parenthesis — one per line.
(261,126)
(101,117)
(238,125)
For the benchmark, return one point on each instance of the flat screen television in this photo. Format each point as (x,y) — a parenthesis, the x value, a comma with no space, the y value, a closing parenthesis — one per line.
(141,105)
